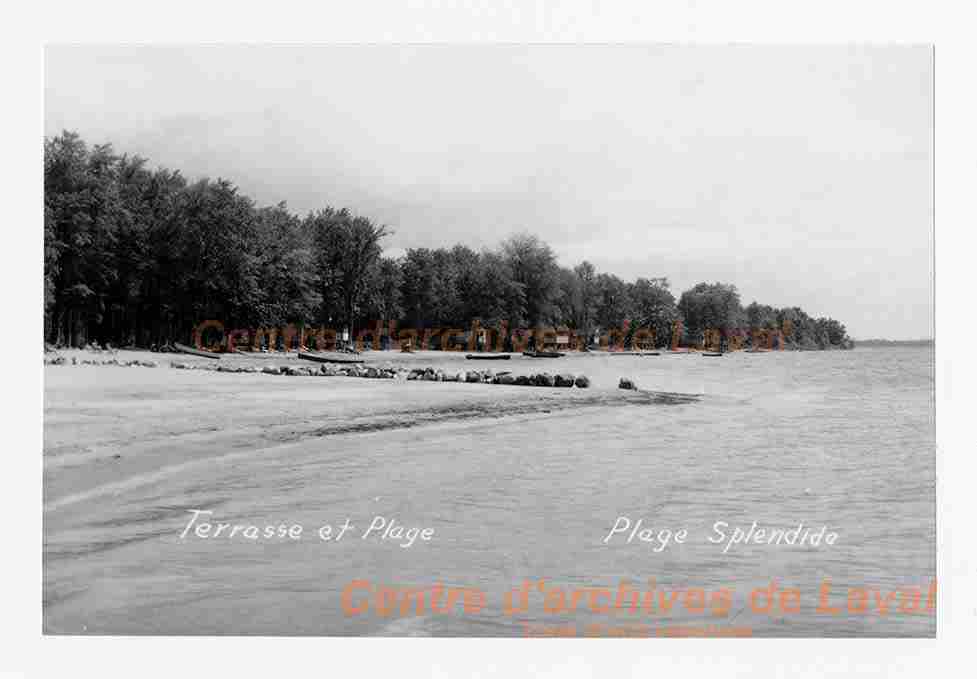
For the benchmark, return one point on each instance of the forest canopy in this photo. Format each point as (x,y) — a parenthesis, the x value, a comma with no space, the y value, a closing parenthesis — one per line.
(140,256)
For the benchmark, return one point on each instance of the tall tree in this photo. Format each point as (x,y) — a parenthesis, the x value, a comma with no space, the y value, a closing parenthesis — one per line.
(710,306)
(287,272)
(585,304)
(498,296)
(534,269)
(383,291)
(613,302)
(346,246)
(654,307)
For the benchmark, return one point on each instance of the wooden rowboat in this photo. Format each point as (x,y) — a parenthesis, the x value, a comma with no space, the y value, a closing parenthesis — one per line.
(319,358)
(183,348)
(712,353)
(258,354)
(542,354)
(487,357)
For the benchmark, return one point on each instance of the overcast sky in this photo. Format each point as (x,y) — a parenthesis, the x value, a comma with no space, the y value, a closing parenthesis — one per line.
(803,175)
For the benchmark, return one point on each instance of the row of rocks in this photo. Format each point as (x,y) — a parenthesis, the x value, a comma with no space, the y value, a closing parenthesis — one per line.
(369,372)
(506,378)
(438,375)
(327,370)
(390,373)
(214,367)
(546,380)
(62,360)
(293,370)
(91,346)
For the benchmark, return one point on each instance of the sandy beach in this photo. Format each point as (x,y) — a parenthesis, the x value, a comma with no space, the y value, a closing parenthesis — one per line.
(107,424)
(515,482)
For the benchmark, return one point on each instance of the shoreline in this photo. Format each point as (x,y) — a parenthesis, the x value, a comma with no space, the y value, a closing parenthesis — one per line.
(128,451)
(105,423)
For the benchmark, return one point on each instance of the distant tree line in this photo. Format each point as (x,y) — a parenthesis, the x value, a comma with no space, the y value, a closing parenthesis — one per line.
(896,343)
(134,255)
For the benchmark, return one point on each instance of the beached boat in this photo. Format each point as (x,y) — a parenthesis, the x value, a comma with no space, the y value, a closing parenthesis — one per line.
(634,353)
(487,357)
(319,358)
(542,354)
(259,354)
(712,353)
(183,348)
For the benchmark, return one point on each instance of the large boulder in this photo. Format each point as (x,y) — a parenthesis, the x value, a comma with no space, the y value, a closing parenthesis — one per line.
(505,379)
(544,380)
(473,376)
(582,382)
(563,380)
(271,370)
(626,383)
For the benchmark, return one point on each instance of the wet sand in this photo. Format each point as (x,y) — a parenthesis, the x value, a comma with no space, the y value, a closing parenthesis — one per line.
(517,482)
(104,424)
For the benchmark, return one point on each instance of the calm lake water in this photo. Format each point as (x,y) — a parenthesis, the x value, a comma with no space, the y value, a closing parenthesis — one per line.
(837,439)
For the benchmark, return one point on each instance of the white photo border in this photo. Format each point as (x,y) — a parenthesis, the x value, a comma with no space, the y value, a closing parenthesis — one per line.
(943,24)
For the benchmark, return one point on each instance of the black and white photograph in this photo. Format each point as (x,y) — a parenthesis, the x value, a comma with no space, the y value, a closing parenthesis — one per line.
(489,341)
(465,338)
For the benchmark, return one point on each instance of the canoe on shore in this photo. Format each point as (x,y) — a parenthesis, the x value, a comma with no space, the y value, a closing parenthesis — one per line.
(487,357)
(712,353)
(319,358)
(183,348)
(634,353)
(542,354)
(260,354)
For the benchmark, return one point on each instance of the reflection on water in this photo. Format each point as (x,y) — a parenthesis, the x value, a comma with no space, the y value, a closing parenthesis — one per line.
(844,439)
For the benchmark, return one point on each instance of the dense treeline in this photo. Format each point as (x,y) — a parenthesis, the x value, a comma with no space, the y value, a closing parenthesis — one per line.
(134,255)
